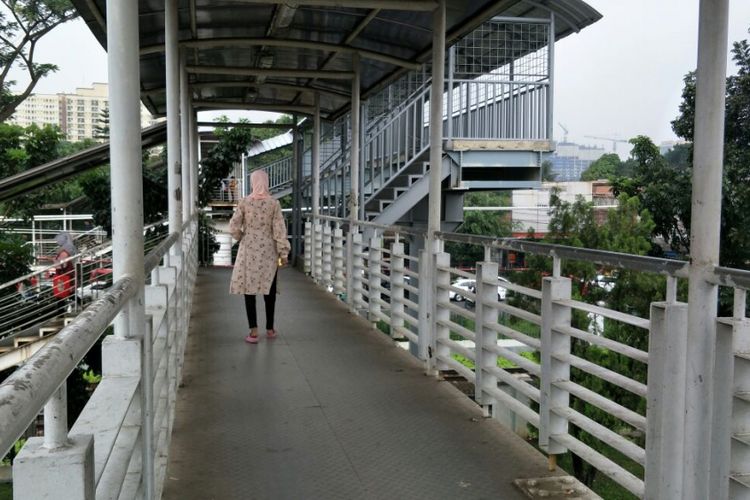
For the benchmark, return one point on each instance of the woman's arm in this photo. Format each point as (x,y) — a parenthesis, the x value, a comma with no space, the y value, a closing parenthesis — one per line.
(280,235)
(237,223)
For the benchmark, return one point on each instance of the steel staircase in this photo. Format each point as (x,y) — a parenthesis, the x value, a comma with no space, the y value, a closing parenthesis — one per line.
(495,139)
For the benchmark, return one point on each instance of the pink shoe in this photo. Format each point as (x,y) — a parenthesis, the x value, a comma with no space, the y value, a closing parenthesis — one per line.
(251,339)
(271,334)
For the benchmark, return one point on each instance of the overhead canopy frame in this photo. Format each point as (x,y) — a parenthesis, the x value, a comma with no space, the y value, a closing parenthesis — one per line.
(280,55)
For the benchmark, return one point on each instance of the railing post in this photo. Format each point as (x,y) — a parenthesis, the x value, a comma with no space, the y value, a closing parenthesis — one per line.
(441,295)
(339,287)
(357,267)
(555,348)
(317,265)
(397,289)
(486,314)
(666,400)
(308,247)
(373,280)
(426,298)
(327,277)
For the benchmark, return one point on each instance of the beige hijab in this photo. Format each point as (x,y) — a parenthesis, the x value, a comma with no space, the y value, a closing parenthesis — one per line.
(259,181)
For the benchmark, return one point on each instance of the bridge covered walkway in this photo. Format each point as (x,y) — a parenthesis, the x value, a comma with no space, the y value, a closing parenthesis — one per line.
(329,409)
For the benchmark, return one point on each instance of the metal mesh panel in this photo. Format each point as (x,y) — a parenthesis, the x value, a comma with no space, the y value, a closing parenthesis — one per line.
(396,94)
(504,51)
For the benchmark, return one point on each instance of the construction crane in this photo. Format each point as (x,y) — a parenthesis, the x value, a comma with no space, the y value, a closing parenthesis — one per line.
(613,139)
(565,137)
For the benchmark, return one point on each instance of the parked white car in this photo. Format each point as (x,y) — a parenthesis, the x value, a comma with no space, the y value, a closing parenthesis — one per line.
(501,291)
(463,284)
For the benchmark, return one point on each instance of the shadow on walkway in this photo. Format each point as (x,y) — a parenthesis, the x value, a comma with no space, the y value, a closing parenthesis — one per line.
(330,409)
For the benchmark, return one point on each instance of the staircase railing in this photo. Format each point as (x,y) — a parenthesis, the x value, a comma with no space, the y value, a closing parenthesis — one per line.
(397,142)
(486,109)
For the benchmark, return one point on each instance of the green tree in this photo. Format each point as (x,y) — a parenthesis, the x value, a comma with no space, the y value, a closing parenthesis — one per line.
(219,161)
(24,148)
(735,213)
(605,167)
(662,189)
(16,257)
(23,23)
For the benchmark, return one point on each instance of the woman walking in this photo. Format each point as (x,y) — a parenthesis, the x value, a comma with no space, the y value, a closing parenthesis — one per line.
(259,226)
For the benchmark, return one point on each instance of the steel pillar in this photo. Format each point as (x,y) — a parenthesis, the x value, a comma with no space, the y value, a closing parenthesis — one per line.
(354,150)
(704,244)
(193,159)
(296,194)
(551,77)
(185,140)
(436,123)
(174,162)
(125,158)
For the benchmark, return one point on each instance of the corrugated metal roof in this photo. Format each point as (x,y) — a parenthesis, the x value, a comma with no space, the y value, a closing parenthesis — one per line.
(270,144)
(241,35)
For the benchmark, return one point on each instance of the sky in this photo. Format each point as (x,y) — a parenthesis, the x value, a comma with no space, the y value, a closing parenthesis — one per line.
(619,78)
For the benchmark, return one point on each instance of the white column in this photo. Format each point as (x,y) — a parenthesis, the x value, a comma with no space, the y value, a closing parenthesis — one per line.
(354,150)
(125,157)
(185,140)
(704,244)
(436,122)
(315,176)
(174,162)
(193,158)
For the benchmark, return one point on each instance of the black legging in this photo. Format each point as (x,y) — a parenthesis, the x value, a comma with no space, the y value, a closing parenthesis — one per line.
(270,301)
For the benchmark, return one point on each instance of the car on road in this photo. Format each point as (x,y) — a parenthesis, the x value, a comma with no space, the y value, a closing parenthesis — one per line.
(463,284)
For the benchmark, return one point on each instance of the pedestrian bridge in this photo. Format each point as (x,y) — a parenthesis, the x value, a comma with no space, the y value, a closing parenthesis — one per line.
(332,408)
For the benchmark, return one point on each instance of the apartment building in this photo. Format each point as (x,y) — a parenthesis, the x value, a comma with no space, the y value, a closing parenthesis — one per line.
(77,114)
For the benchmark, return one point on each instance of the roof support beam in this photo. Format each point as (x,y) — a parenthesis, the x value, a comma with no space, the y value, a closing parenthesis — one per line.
(410,5)
(335,94)
(288,43)
(280,73)
(277,108)
(279,126)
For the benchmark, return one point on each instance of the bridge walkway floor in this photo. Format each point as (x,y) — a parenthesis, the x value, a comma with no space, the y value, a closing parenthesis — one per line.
(329,409)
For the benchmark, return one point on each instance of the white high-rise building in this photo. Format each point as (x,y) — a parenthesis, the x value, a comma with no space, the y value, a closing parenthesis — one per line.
(77,114)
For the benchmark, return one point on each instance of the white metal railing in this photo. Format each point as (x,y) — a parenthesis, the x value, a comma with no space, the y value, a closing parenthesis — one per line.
(397,141)
(118,446)
(280,173)
(530,358)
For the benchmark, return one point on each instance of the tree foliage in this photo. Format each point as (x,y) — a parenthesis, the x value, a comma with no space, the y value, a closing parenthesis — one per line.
(663,189)
(22,148)
(606,167)
(16,258)
(219,161)
(23,23)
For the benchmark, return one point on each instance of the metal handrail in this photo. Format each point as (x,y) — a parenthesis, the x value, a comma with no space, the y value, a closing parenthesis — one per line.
(27,390)
(608,258)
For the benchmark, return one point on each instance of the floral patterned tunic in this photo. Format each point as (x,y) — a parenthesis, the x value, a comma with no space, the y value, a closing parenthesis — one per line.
(260,227)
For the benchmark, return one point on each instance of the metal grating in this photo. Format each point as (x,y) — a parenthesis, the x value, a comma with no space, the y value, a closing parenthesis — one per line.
(505,51)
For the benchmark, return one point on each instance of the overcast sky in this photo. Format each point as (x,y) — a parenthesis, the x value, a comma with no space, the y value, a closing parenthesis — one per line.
(620,77)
